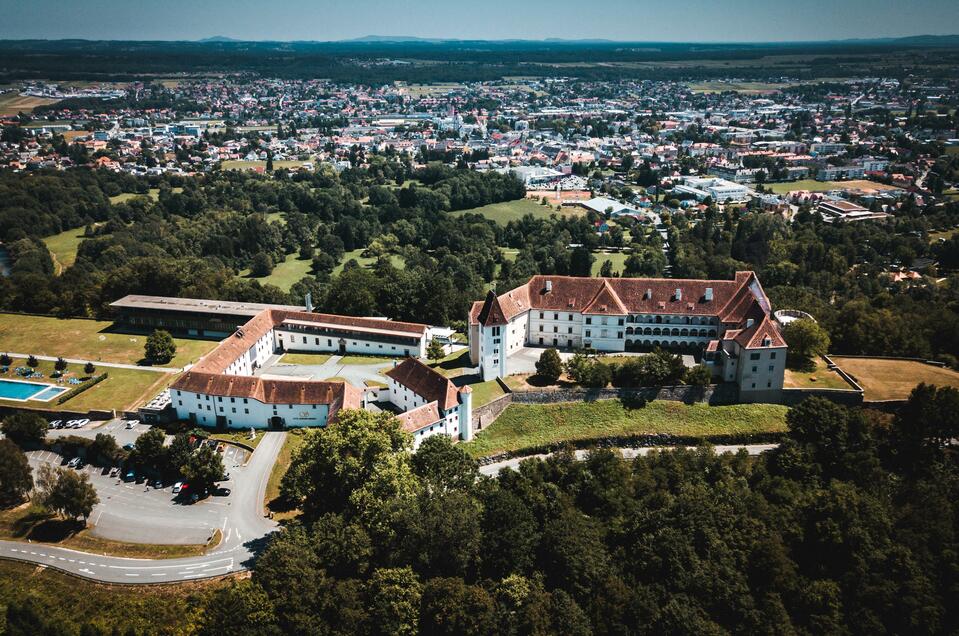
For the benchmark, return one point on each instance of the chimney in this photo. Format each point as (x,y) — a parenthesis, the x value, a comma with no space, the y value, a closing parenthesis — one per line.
(549,286)
(679,294)
(709,294)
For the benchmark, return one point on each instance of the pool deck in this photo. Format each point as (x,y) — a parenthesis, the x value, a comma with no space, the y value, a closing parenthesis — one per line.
(42,387)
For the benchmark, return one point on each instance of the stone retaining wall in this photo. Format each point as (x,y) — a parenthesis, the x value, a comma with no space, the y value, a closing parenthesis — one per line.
(712,394)
(485,415)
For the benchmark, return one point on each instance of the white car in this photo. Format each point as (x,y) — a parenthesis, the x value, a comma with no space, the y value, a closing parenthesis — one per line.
(73,463)
(131,423)
(177,487)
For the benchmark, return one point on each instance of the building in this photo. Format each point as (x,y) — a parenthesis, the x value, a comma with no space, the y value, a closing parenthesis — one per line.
(222,388)
(728,321)
(720,190)
(833,210)
(836,173)
(431,404)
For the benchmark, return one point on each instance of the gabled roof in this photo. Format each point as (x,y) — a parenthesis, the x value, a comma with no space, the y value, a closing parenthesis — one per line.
(420,417)
(491,313)
(762,334)
(425,382)
(605,302)
(335,394)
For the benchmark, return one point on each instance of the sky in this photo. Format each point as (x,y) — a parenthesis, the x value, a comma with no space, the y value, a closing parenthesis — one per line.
(629,20)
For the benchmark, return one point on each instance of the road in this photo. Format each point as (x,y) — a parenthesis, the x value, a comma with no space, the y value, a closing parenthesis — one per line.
(492,470)
(244,529)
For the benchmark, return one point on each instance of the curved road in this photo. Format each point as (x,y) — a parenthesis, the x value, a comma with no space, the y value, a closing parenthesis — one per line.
(245,530)
(492,470)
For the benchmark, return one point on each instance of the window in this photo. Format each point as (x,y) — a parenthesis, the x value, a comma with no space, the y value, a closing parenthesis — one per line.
(754,356)
(317,341)
(619,334)
(588,333)
(772,355)
(540,315)
(555,316)
(555,329)
(247,411)
(571,316)
(755,369)
(569,330)
(541,327)
(771,367)
(621,322)
(589,320)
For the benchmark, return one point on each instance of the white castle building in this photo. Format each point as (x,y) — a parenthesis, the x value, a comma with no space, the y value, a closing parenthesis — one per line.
(729,321)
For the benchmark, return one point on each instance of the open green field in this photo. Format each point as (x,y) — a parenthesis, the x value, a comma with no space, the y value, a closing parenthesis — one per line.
(285,274)
(945,235)
(748,88)
(523,426)
(819,378)
(894,379)
(366,261)
(12,103)
(291,164)
(85,339)
(63,247)
(304,358)
(153,193)
(823,186)
(503,213)
(486,392)
(146,609)
(618,259)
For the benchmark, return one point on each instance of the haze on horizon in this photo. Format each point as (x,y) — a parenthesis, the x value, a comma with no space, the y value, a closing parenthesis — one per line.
(623,20)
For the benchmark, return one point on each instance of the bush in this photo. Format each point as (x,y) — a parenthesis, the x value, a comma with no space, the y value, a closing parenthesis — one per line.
(549,366)
(5,360)
(700,375)
(32,362)
(24,427)
(60,364)
(262,265)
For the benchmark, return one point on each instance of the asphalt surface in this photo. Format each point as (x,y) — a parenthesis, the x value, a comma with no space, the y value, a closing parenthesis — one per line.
(355,374)
(240,517)
(492,470)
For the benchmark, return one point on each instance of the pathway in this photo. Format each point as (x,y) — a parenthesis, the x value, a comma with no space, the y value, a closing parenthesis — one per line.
(99,363)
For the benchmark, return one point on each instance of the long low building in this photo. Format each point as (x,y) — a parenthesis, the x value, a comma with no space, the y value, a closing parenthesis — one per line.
(188,316)
(223,390)
(727,321)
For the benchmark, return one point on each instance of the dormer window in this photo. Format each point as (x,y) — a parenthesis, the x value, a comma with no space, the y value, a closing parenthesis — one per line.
(648,295)
(678,295)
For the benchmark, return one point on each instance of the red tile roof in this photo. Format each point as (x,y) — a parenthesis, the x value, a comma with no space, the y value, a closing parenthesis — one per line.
(420,417)
(425,382)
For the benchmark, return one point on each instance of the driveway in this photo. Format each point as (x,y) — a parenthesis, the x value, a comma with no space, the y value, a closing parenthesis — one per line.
(239,517)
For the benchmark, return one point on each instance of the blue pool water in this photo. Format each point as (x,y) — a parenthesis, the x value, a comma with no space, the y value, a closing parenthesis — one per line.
(28,390)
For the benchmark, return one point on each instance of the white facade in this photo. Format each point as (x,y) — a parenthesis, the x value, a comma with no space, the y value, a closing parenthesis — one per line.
(289,339)
(244,412)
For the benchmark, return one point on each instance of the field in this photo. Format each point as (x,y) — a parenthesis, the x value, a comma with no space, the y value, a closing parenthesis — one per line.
(523,426)
(304,358)
(153,193)
(161,609)
(124,389)
(823,186)
(894,379)
(819,378)
(285,274)
(85,339)
(945,235)
(63,247)
(486,392)
(366,261)
(429,90)
(618,260)
(747,88)
(251,165)
(12,103)
(503,213)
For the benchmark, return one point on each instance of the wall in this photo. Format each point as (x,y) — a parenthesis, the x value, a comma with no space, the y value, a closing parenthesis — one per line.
(245,412)
(292,340)
(485,415)
(713,394)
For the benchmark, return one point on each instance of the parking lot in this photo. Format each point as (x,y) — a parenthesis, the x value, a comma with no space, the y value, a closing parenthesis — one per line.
(138,512)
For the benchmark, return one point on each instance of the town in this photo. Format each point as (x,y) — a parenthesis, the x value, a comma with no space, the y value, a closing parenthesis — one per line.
(478,337)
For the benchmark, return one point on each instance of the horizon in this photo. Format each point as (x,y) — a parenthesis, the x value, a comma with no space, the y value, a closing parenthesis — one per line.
(615,21)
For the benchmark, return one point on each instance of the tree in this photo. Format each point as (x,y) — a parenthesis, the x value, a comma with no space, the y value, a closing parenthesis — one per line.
(89,368)
(203,469)
(451,608)
(700,375)
(104,450)
(32,362)
(178,453)
(549,366)
(160,347)
(806,339)
(241,608)
(5,360)
(269,161)
(394,598)
(71,494)
(606,269)
(60,364)
(25,427)
(358,465)
(306,251)
(444,466)
(262,265)
(149,450)
(435,350)
(16,477)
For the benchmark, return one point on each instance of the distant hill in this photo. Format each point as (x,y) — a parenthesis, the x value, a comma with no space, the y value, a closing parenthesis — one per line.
(219,38)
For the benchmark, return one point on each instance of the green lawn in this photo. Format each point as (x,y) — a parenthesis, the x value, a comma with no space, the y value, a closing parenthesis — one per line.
(486,392)
(150,609)
(304,358)
(85,339)
(366,261)
(803,184)
(523,426)
(250,165)
(818,378)
(294,440)
(124,389)
(503,213)
(618,260)
(153,193)
(285,274)
(63,247)
(453,365)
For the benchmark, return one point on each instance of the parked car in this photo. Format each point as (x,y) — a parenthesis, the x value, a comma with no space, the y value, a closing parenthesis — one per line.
(74,463)
(128,447)
(55,424)
(114,471)
(129,476)
(177,487)
(131,423)
(157,483)
(226,477)
(221,492)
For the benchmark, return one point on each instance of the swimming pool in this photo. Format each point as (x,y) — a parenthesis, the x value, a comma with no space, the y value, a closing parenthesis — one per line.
(22,391)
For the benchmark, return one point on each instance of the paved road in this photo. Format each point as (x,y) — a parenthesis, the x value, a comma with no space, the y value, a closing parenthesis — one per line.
(629,453)
(244,529)
(100,363)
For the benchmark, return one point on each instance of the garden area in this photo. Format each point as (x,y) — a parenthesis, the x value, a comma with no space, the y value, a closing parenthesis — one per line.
(884,379)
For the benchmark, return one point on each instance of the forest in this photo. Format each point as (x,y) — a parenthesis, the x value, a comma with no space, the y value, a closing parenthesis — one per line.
(197,234)
(848,527)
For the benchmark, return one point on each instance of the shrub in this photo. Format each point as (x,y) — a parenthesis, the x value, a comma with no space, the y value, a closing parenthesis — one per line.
(549,366)
(160,347)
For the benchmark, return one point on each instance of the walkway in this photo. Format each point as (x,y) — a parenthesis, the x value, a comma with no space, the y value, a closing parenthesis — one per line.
(356,374)
(244,531)
(492,470)
(99,363)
